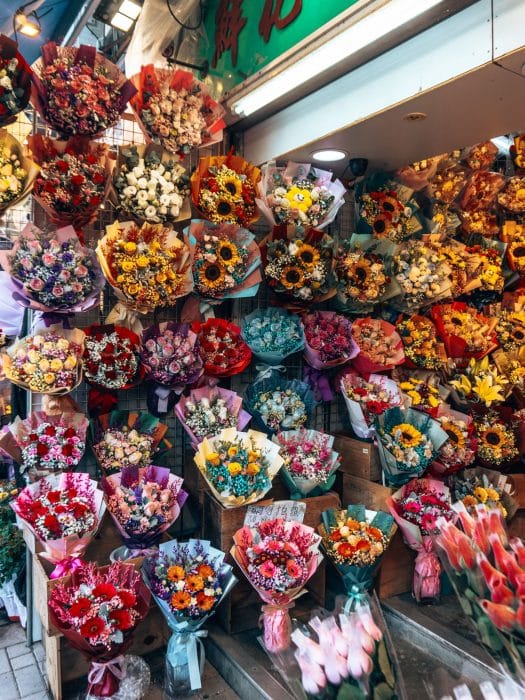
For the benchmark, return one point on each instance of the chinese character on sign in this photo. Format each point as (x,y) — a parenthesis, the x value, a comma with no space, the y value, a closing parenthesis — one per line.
(271,17)
(229,22)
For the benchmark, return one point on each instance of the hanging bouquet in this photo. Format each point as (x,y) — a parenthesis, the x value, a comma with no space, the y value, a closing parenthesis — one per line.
(176,110)
(144,503)
(148,266)
(97,610)
(49,362)
(206,411)
(367,398)
(63,511)
(15,73)
(513,234)
(224,188)
(278,558)
(122,438)
(496,433)
(17,171)
(448,183)
(280,404)
(225,261)
(328,339)
(421,394)
(221,347)
(188,582)
(416,508)
(73,180)
(149,185)
(52,273)
(238,467)
(299,266)
(461,447)
(481,190)
(354,540)
(380,347)
(512,196)
(78,91)
(272,334)
(420,343)
(408,443)
(299,195)
(422,274)
(465,332)
(310,462)
(483,486)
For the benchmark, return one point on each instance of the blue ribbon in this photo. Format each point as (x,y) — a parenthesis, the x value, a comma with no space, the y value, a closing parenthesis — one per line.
(356,598)
(185,648)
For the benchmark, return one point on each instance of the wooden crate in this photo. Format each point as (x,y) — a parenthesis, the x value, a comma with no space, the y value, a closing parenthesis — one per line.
(242,608)
(354,489)
(358,457)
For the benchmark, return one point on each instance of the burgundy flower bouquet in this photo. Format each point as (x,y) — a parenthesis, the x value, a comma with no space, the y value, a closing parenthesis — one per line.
(328,339)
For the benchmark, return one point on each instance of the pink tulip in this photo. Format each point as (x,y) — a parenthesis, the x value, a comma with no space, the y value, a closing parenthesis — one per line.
(359,663)
(335,664)
(313,678)
(505,560)
(339,642)
(370,626)
(502,616)
(308,645)
(468,522)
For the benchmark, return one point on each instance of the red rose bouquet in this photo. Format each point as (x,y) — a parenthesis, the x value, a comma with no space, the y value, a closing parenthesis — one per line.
(328,339)
(16,81)
(221,347)
(97,610)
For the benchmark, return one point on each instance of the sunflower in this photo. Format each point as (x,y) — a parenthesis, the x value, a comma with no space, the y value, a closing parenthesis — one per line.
(292,276)
(454,433)
(211,275)
(308,255)
(381,226)
(390,205)
(492,494)
(223,209)
(360,273)
(408,435)
(493,436)
(232,184)
(470,501)
(228,253)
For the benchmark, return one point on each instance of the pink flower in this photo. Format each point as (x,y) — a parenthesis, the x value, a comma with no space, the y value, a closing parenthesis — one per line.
(48,259)
(64,275)
(151,345)
(26,264)
(58,291)
(293,569)
(81,271)
(36,284)
(267,569)
(167,350)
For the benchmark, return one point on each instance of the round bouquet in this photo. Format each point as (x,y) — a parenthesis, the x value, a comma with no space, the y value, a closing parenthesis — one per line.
(111,357)
(422,394)
(448,182)
(78,91)
(52,272)
(514,235)
(16,81)
(367,398)
(512,196)
(149,185)
(422,273)
(73,180)
(510,330)
(280,404)
(380,347)
(223,188)
(272,334)
(299,195)
(176,110)
(465,332)
(497,437)
(221,347)
(460,449)
(17,172)
(420,343)
(483,486)
(328,339)
(480,191)
(147,266)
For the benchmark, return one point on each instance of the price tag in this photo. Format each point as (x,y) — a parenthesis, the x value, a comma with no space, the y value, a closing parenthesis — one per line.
(287,510)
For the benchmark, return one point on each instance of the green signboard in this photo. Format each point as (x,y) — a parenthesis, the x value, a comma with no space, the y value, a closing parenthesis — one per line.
(246,35)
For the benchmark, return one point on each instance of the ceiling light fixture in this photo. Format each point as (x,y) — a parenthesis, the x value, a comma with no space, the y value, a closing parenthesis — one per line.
(384,20)
(126,14)
(27,24)
(329,155)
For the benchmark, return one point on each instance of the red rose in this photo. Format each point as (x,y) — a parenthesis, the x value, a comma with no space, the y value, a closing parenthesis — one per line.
(62,165)
(50,430)
(60,508)
(33,437)
(37,509)
(77,180)
(79,510)
(93,627)
(69,433)
(98,178)
(76,200)
(72,493)
(53,496)
(95,201)
(80,608)
(122,618)
(42,449)
(105,591)
(67,450)
(91,159)
(51,523)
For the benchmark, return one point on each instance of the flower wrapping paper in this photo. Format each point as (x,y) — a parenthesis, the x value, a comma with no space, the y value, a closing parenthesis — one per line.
(362,427)
(273,328)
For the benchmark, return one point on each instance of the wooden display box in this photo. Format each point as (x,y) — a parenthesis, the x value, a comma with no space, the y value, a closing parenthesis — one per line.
(242,608)
(358,457)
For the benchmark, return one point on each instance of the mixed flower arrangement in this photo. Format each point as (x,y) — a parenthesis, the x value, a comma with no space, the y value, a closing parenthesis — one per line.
(422,273)
(461,447)
(380,347)
(15,77)
(420,343)
(51,446)
(479,486)
(367,398)
(465,332)
(480,382)
(363,275)
(496,436)
(17,172)
(421,394)
(111,357)
(170,354)
(280,404)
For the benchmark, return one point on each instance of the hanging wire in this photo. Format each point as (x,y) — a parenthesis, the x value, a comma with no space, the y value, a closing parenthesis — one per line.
(187,26)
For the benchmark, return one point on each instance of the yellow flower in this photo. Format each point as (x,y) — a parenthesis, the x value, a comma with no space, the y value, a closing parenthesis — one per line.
(409,436)
(33,356)
(481,494)
(415,396)
(154,246)
(308,255)
(70,362)
(63,344)
(232,451)
(56,364)
(130,247)
(128,265)
(234,468)
(253,455)
(232,185)
(49,378)
(29,368)
(161,277)
(43,365)
(299,197)
(132,289)
(292,276)
(486,391)
(214,459)
(492,494)
(253,468)
(470,501)
(212,275)
(142,261)
(228,253)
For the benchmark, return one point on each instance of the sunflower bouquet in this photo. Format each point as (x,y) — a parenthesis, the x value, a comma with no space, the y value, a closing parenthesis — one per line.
(147,266)
(421,345)
(224,188)
(489,258)
(484,222)
(510,329)
(480,383)
(485,486)
(299,195)
(465,332)
(17,171)
(497,436)
(380,347)
(272,334)
(461,447)
(408,443)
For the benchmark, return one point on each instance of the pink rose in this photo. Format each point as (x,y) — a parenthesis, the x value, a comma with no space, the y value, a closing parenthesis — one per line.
(26,264)
(151,345)
(48,259)
(64,275)
(58,291)
(81,271)
(36,284)
(167,350)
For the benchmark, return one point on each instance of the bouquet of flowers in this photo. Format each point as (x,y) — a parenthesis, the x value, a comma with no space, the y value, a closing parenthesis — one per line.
(97,610)
(460,449)
(206,411)
(223,188)
(52,273)
(481,156)
(421,394)
(17,172)
(328,339)
(16,81)
(420,343)
(486,571)
(380,347)
(280,404)
(148,267)
(78,91)
(354,540)
(496,433)
(416,508)
(73,180)
(299,266)
(122,438)
(272,334)
(176,110)
(367,398)
(49,362)
(489,258)
(188,582)
(448,183)
(422,273)
(408,442)
(144,503)
(149,185)
(513,234)
(221,347)
(299,195)
(465,332)
(278,557)
(511,196)
(510,330)
(310,462)
(238,467)
(483,486)
(480,382)
(480,222)
(63,511)
(481,190)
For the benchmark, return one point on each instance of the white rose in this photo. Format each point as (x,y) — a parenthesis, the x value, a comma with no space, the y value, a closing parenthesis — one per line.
(138,171)
(167,175)
(142,183)
(5,81)
(150,212)
(164,200)
(132,180)
(142,195)
(151,195)
(176,199)
(169,187)
(129,191)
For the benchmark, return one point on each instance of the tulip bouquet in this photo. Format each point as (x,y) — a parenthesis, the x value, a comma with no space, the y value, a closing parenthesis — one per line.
(367,398)
(328,339)
(15,74)
(188,581)
(144,503)
(486,570)
(272,334)
(417,507)
(380,347)
(206,411)
(221,347)
(280,404)
(238,467)
(97,609)
(483,486)
(17,172)
(310,462)
(460,449)
(78,91)
(63,511)
(278,558)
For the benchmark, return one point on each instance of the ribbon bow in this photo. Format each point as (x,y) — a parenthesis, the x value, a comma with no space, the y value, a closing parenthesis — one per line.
(120,315)
(67,566)
(265,371)
(277,626)
(99,669)
(186,648)
(356,599)
(427,571)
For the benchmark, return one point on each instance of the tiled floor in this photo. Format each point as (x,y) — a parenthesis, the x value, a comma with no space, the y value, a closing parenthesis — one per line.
(21,668)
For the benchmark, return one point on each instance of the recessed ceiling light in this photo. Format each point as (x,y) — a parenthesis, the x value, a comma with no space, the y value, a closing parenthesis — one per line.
(121,22)
(329,155)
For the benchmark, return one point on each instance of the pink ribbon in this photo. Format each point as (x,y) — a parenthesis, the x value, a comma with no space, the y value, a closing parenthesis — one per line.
(277,626)
(427,571)
(98,669)
(67,566)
